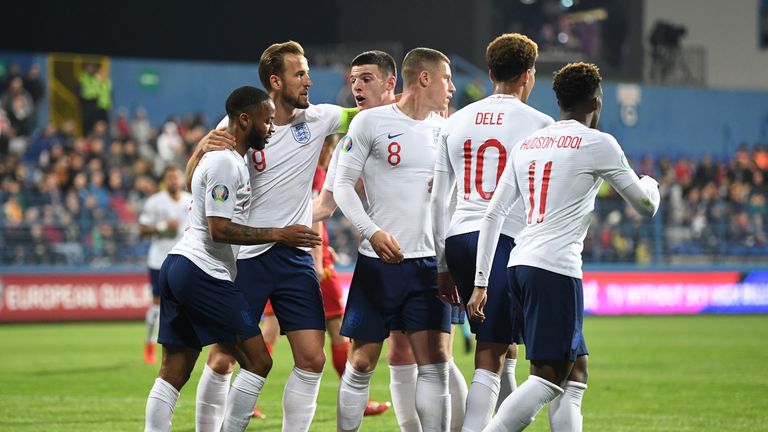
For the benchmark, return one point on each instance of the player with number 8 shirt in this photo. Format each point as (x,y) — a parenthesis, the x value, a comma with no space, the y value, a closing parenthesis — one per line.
(474,149)
(394,285)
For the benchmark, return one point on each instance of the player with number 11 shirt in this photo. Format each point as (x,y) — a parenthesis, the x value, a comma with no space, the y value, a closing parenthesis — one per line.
(474,149)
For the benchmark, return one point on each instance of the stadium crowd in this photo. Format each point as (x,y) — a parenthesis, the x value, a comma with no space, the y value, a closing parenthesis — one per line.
(68,199)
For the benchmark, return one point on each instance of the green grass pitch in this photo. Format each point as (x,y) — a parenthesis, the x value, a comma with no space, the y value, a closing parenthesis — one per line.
(696,373)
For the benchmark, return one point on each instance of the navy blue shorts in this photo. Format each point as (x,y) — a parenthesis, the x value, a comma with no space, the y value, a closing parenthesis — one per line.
(154,281)
(385,297)
(286,276)
(460,253)
(197,309)
(552,309)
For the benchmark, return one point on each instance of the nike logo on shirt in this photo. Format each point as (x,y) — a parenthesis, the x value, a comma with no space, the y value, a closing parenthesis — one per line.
(390,136)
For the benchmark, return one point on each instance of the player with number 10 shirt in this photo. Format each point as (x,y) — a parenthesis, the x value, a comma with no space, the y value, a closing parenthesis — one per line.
(475,147)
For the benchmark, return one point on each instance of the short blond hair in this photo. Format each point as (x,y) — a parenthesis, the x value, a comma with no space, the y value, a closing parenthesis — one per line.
(419,59)
(271,62)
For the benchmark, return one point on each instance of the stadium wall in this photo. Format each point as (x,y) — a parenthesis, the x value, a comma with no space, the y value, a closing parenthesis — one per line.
(125,295)
(645,119)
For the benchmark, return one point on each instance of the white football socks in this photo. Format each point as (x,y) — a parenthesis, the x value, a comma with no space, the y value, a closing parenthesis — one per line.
(457,387)
(483,392)
(160,405)
(519,409)
(241,399)
(508,381)
(433,401)
(300,400)
(352,399)
(565,410)
(211,400)
(402,387)
(152,318)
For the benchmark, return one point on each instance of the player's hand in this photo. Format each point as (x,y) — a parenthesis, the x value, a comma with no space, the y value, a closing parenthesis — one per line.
(476,304)
(386,247)
(173,225)
(299,236)
(446,288)
(217,139)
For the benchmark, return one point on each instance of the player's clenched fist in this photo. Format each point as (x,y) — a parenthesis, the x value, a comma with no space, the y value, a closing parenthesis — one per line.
(477,303)
(386,247)
(299,236)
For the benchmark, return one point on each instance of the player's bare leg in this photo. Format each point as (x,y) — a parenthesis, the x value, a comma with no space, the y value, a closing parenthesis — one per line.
(175,369)
(402,381)
(433,400)
(270,328)
(300,394)
(354,385)
(565,410)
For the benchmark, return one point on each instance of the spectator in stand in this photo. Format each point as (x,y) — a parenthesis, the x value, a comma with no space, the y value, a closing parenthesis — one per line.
(19,107)
(34,84)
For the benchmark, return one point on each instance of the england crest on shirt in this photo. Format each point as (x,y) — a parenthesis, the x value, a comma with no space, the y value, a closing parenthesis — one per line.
(301,133)
(436,135)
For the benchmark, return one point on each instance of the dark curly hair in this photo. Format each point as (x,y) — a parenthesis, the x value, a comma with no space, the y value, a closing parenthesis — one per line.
(576,83)
(509,55)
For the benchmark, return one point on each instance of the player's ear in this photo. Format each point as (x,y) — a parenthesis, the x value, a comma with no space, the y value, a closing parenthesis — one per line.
(391,82)
(526,76)
(490,76)
(424,78)
(275,82)
(243,119)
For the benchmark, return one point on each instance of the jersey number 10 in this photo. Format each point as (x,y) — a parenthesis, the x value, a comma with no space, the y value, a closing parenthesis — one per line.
(480,156)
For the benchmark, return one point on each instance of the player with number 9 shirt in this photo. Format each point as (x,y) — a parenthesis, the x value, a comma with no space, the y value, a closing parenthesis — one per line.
(474,149)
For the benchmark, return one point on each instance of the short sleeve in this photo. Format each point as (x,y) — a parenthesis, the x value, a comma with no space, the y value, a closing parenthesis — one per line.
(221,182)
(356,145)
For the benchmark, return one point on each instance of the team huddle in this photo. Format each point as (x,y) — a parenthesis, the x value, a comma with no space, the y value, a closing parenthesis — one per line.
(486,209)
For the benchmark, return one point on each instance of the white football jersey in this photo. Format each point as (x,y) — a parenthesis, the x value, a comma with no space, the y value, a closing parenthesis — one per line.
(474,147)
(282,173)
(396,156)
(220,187)
(161,207)
(557,172)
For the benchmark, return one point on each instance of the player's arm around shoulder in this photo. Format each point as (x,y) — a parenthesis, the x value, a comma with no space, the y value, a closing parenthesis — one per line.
(216,139)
